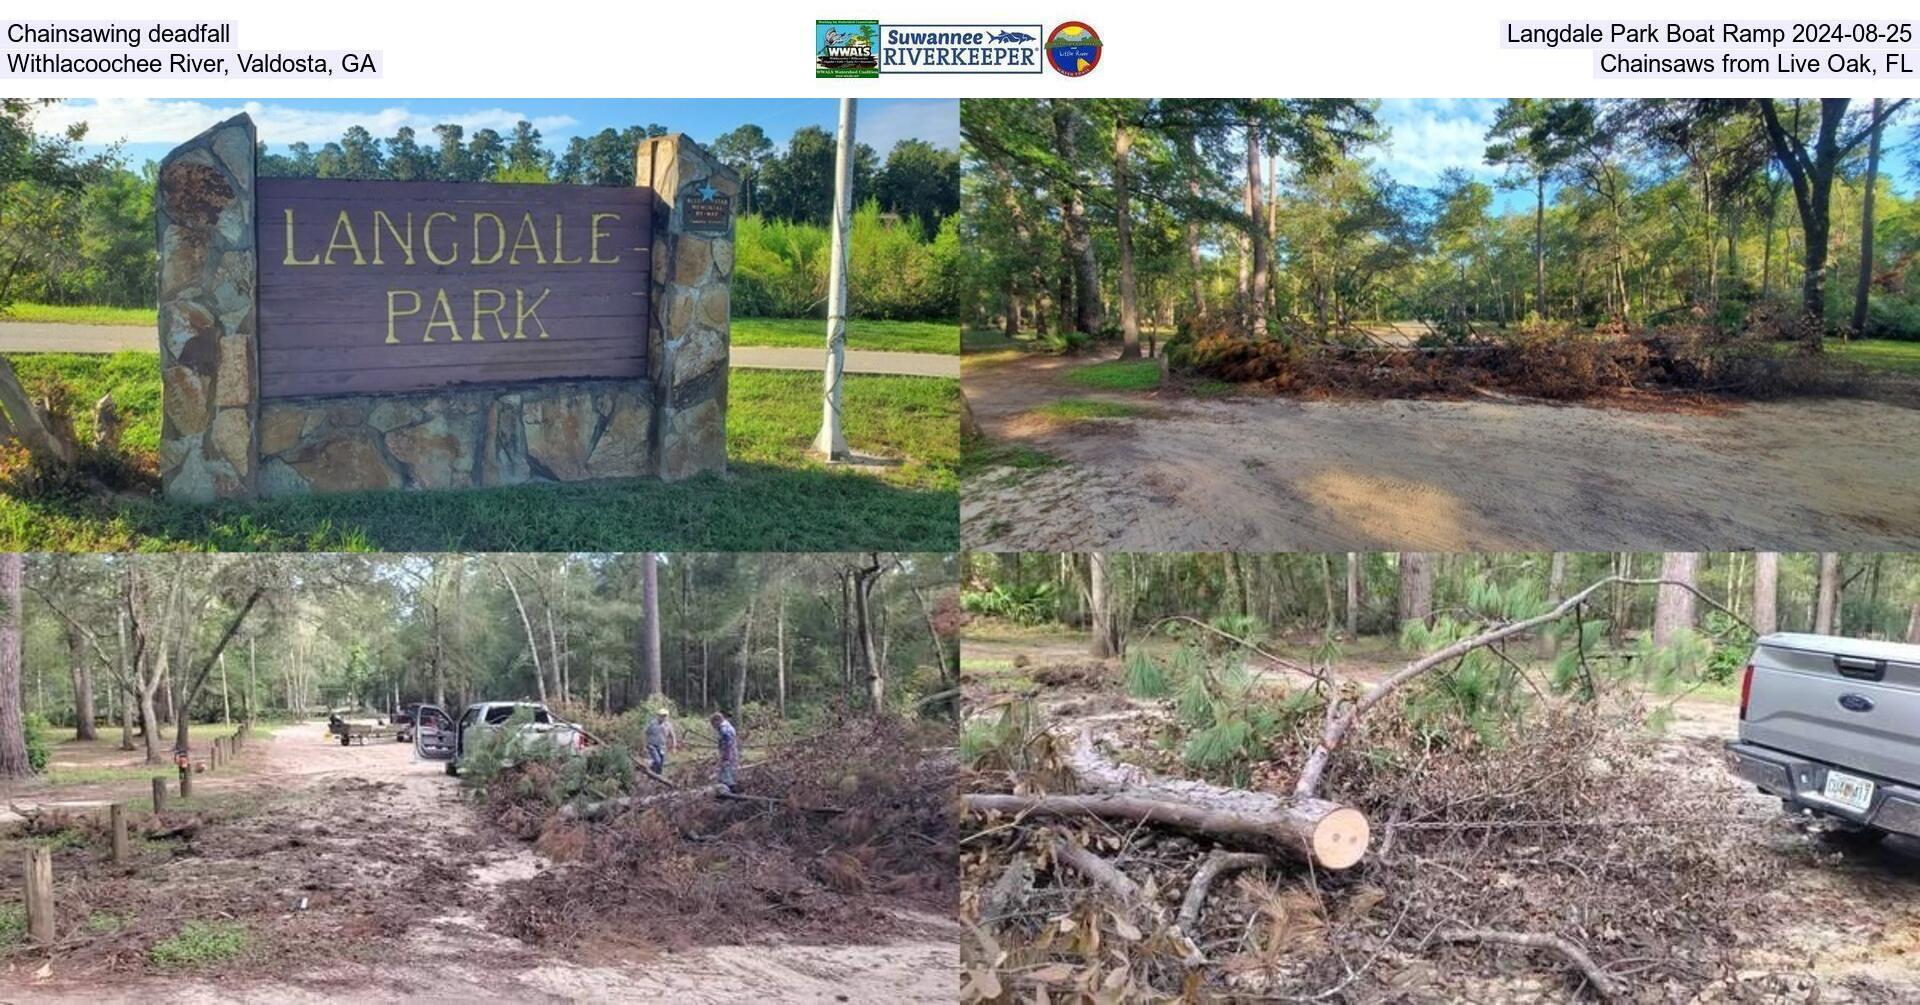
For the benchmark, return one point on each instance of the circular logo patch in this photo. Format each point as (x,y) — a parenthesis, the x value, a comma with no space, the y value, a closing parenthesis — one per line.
(1074,48)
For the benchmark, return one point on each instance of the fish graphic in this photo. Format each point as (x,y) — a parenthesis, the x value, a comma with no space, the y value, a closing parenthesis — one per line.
(1011,36)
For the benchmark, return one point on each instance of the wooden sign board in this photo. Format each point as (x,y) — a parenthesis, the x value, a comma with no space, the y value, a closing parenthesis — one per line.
(372,287)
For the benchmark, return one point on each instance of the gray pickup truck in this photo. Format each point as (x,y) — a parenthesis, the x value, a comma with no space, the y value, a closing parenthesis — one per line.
(1832,727)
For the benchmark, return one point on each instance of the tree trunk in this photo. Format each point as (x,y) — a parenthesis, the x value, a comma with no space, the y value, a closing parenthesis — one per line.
(1123,225)
(1256,232)
(1079,239)
(1556,588)
(1416,587)
(1865,284)
(533,641)
(1327,834)
(875,667)
(650,600)
(1100,609)
(13,734)
(1766,592)
(1540,245)
(1673,607)
(1827,606)
(738,698)
(780,656)
(1353,594)
(1913,623)
(82,676)
(1195,264)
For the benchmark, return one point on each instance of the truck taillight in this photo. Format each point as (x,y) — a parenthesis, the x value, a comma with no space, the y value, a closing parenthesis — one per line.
(1746,689)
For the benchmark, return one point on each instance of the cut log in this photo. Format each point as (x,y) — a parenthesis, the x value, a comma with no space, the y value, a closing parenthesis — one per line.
(1325,833)
(1329,835)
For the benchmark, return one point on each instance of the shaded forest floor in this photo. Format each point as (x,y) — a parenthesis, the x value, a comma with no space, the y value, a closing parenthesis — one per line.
(1070,463)
(315,872)
(1729,902)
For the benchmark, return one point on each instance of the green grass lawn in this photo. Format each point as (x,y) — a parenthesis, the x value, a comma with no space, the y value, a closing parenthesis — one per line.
(1879,354)
(1118,375)
(1075,409)
(775,496)
(811,333)
(81,315)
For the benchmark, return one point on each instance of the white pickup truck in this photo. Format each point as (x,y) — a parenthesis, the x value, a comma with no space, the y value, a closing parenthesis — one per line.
(1832,726)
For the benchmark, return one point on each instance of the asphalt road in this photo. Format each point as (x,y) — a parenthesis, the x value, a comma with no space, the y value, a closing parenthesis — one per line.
(30,336)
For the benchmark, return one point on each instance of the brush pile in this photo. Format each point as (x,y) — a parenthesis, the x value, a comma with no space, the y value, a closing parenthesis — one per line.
(1548,362)
(829,834)
(1558,857)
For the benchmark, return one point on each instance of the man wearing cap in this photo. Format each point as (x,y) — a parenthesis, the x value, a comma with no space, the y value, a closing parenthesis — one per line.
(661,737)
(729,743)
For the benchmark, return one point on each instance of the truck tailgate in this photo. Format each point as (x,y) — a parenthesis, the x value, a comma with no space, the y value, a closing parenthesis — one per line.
(1853,703)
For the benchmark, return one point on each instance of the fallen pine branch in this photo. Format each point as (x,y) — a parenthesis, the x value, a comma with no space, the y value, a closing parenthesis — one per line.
(1342,716)
(1602,982)
(1278,661)
(1135,905)
(1219,863)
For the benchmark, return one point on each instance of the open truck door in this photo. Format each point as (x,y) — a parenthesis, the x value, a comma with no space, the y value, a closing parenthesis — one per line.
(435,737)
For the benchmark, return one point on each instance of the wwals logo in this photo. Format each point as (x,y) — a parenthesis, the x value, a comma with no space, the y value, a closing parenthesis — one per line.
(846,49)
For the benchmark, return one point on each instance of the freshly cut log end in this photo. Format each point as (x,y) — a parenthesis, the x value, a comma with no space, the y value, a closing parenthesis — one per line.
(1339,839)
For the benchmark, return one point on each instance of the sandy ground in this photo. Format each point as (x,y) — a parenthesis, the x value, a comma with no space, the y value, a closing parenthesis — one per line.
(453,957)
(1854,927)
(1256,472)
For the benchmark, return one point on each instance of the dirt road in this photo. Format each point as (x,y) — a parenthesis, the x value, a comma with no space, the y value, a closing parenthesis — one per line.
(354,828)
(1258,472)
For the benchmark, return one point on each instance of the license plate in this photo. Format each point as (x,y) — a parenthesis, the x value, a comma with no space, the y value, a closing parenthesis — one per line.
(1849,791)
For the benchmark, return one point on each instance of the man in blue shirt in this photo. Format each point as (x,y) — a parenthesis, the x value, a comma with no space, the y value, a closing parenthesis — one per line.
(729,751)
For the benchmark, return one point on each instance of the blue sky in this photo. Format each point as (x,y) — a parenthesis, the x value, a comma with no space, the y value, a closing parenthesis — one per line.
(1431,135)
(152,126)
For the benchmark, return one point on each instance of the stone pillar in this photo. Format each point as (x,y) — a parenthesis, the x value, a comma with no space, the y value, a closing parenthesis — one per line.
(691,328)
(204,217)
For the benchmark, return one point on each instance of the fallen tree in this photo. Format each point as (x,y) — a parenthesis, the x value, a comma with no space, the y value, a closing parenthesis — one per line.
(1326,834)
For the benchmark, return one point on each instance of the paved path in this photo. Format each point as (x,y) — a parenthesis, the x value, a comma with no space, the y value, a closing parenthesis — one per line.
(35,336)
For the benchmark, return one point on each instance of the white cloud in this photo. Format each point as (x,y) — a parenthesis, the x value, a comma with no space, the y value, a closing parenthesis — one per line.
(147,120)
(1431,136)
(882,124)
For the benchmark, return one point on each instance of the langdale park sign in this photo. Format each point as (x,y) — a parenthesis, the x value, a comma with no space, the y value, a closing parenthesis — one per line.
(327,335)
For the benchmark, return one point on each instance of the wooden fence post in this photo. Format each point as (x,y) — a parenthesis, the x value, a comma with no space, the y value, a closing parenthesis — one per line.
(40,895)
(213,756)
(159,794)
(186,781)
(117,814)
